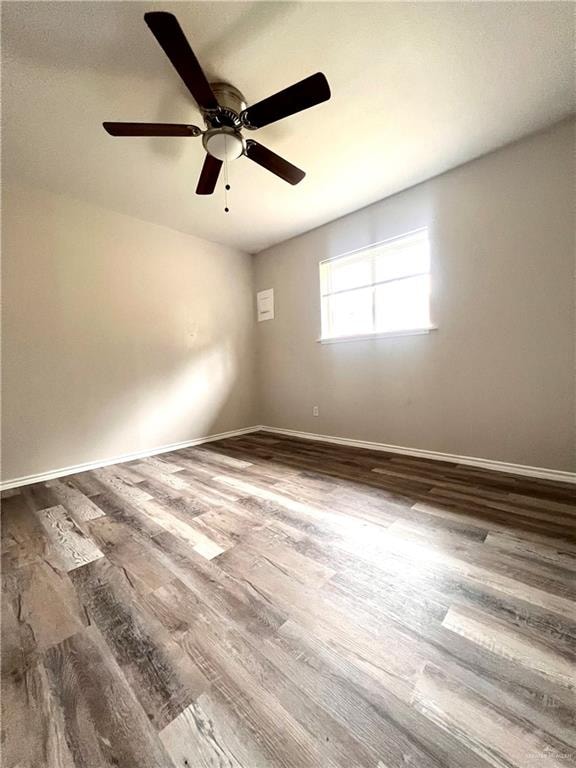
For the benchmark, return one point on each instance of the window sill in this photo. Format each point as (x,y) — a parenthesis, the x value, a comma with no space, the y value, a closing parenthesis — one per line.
(371,336)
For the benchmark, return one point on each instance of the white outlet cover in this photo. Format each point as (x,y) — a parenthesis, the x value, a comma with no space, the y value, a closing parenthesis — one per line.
(265,304)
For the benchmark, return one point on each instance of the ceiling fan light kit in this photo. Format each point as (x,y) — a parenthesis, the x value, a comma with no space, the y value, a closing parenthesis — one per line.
(223,143)
(224,110)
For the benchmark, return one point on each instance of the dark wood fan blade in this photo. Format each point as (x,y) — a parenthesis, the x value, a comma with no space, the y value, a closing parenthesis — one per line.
(168,32)
(209,175)
(273,162)
(307,93)
(151,129)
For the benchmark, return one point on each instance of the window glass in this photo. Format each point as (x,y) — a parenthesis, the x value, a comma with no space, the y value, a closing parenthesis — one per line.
(350,313)
(351,272)
(385,287)
(402,304)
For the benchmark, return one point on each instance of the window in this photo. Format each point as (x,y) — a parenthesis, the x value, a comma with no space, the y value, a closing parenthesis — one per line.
(381,289)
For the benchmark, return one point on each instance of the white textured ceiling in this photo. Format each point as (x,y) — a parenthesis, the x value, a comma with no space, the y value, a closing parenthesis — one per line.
(417,88)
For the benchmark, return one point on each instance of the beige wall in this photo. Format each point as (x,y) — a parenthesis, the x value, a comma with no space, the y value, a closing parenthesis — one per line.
(121,336)
(496,380)
(118,335)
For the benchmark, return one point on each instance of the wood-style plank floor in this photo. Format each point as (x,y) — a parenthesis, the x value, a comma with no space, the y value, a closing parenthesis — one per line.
(272,602)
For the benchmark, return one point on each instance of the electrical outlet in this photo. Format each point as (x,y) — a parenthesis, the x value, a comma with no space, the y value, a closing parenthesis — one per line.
(315,411)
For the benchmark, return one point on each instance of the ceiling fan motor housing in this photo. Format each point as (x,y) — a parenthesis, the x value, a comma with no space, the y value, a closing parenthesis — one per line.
(229,97)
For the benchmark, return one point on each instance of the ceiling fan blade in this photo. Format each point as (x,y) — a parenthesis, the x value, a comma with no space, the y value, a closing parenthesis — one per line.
(273,162)
(308,92)
(151,129)
(168,32)
(209,175)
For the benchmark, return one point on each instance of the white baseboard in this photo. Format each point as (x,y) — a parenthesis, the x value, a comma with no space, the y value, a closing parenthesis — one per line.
(471,461)
(497,466)
(16,482)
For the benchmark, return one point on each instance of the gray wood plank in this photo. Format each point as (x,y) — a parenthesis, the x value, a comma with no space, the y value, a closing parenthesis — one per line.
(73,548)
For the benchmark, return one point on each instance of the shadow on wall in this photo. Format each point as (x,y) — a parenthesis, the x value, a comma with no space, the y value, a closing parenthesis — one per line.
(189,401)
(173,404)
(118,336)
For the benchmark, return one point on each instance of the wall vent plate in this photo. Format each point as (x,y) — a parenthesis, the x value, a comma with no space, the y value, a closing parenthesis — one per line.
(265,304)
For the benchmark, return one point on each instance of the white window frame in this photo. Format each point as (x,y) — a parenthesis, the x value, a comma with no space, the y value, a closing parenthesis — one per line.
(374,247)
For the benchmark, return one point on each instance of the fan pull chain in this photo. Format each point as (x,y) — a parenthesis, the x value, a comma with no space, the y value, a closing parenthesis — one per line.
(226,184)
(226,187)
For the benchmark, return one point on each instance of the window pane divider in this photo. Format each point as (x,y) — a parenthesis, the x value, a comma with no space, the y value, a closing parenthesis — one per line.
(374,285)
(412,234)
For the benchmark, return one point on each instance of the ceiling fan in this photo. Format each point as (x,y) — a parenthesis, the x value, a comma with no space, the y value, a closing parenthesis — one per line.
(224,110)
